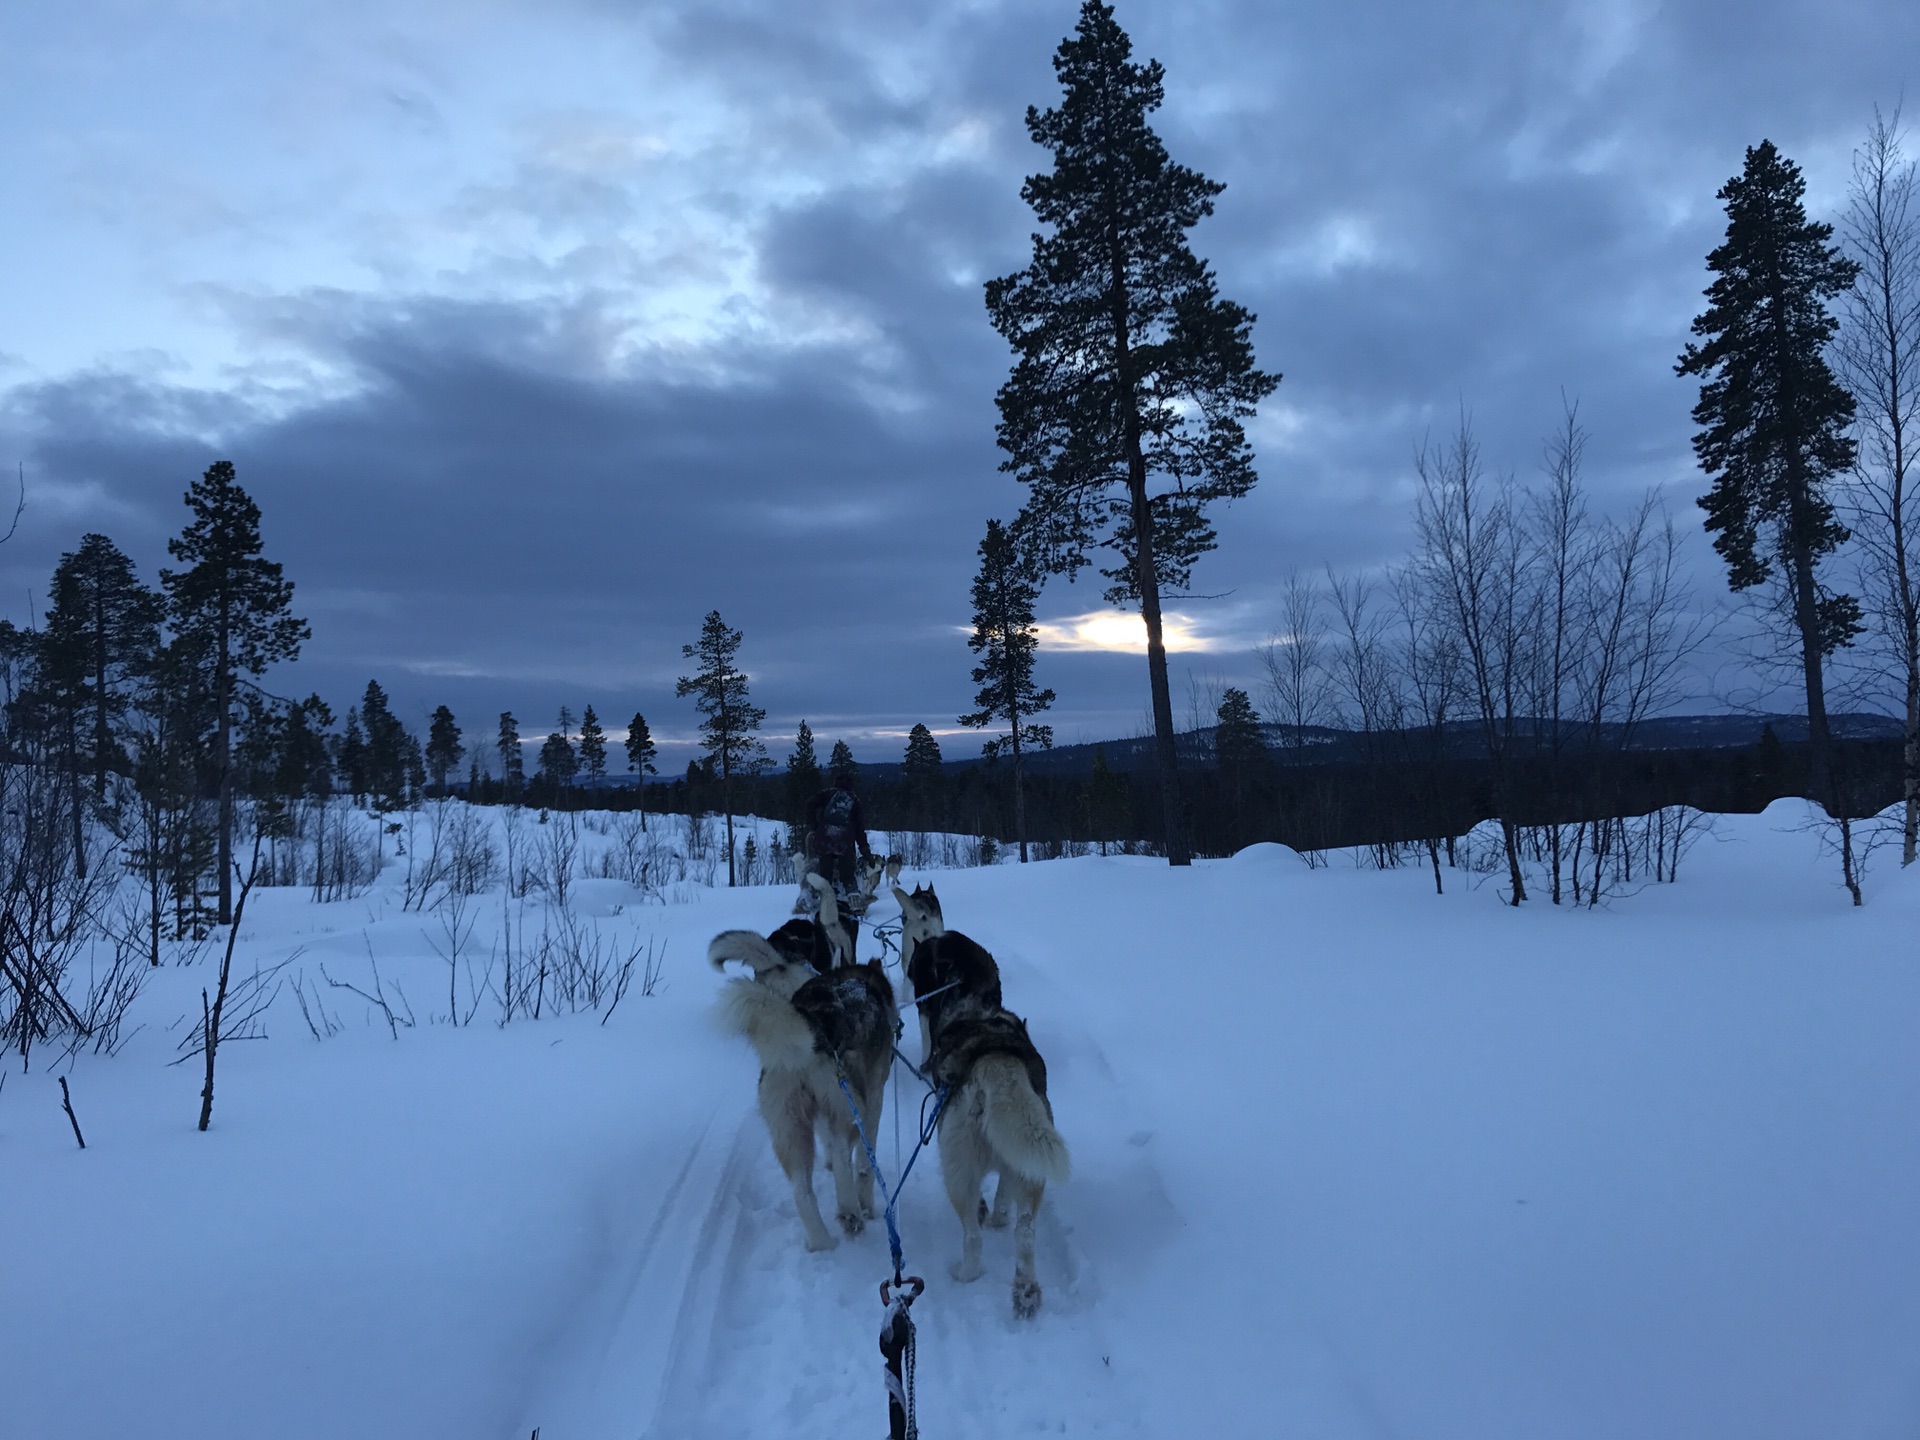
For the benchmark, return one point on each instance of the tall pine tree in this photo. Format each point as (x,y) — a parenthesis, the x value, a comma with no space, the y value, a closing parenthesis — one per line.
(1006,639)
(1239,748)
(233,608)
(593,748)
(111,621)
(443,747)
(1774,420)
(803,774)
(641,752)
(729,719)
(559,761)
(513,762)
(921,774)
(1132,372)
(842,768)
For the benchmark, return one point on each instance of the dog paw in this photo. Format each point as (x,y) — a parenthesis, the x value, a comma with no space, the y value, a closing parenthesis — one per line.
(964,1272)
(1026,1299)
(993,1219)
(853,1222)
(822,1241)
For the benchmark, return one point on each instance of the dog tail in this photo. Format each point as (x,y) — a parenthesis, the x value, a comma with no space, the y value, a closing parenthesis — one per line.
(779,1033)
(743,945)
(1018,1122)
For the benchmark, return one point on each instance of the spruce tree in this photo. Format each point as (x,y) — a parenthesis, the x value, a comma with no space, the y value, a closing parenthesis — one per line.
(729,720)
(640,757)
(1006,639)
(1131,370)
(513,763)
(234,609)
(593,748)
(1774,420)
(921,773)
(444,749)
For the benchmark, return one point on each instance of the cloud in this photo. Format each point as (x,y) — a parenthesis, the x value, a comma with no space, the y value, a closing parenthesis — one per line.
(536,340)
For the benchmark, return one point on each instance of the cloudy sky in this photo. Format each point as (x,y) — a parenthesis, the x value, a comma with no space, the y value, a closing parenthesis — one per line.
(541,329)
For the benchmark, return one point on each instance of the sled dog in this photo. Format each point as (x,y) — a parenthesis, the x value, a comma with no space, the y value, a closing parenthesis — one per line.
(803,1024)
(943,966)
(997,1118)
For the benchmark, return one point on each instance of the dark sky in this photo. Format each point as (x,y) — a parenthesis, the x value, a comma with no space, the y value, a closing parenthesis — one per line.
(540,329)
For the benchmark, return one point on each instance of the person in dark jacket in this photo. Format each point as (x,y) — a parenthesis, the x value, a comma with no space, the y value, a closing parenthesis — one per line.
(836,830)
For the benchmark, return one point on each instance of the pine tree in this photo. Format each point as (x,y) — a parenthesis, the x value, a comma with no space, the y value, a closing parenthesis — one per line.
(559,762)
(1775,421)
(593,748)
(1130,365)
(353,755)
(640,757)
(111,622)
(921,773)
(1239,747)
(174,842)
(842,768)
(730,720)
(234,609)
(444,749)
(385,757)
(803,775)
(513,764)
(305,770)
(1106,799)
(59,700)
(1006,639)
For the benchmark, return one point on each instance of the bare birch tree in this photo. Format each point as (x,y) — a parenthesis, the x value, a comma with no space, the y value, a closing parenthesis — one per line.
(1472,561)
(1874,355)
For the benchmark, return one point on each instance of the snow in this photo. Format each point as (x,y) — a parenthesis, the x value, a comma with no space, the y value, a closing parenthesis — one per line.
(1351,1159)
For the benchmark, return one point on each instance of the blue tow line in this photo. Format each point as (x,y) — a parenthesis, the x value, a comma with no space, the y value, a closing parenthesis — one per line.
(927,1126)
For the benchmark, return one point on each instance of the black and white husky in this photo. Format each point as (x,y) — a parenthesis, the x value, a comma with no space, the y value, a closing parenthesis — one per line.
(809,1029)
(943,966)
(997,1118)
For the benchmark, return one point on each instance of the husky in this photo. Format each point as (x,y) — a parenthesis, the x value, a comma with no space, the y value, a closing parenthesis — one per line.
(842,912)
(997,1118)
(809,1030)
(943,966)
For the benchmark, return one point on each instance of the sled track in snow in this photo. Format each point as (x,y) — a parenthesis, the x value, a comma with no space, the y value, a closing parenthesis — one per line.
(769,1339)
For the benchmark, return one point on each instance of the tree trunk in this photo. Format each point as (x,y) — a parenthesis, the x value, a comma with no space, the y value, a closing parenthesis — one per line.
(1146,574)
(1910,830)
(1163,746)
(1019,785)
(222,679)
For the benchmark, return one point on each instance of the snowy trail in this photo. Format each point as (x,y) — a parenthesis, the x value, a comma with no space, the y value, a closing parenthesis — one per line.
(768,1334)
(1352,1161)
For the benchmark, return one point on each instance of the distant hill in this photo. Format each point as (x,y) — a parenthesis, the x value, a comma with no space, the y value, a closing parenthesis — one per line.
(1319,745)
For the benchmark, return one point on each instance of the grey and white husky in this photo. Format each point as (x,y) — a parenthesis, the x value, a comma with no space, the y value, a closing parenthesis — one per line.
(809,1029)
(997,1118)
